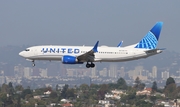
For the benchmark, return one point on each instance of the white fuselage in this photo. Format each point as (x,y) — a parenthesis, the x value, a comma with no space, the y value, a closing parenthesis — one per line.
(104,54)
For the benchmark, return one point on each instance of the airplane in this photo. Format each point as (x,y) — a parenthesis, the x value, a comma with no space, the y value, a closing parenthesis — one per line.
(90,54)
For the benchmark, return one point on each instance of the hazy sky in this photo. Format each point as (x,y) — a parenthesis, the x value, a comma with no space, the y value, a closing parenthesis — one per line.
(82,22)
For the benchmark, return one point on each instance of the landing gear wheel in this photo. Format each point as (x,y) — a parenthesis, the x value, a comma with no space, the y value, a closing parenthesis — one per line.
(92,65)
(88,65)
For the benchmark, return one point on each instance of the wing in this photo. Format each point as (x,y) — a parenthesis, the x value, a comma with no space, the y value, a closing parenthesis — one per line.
(88,56)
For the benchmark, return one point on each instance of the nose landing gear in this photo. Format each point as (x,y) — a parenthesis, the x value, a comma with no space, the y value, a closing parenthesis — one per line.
(33,63)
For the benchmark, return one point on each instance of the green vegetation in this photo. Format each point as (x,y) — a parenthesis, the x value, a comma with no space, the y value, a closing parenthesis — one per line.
(86,95)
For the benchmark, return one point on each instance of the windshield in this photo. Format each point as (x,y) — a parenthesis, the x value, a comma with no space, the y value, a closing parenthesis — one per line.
(27,49)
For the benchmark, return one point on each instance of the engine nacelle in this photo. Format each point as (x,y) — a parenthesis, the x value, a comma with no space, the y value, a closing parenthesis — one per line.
(70,60)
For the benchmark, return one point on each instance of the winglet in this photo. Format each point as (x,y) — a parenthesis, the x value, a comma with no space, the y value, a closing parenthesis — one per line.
(120,44)
(95,47)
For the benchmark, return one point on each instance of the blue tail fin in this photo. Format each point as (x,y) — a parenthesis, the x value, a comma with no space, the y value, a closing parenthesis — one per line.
(150,41)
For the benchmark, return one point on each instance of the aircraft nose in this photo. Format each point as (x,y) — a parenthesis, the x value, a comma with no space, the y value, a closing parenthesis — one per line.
(21,54)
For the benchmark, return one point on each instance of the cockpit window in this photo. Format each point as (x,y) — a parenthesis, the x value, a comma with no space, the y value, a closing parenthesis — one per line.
(27,49)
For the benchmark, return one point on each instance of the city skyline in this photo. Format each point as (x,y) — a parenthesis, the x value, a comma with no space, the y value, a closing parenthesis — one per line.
(110,74)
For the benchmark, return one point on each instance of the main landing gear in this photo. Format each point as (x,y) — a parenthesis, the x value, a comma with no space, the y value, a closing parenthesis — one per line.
(33,63)
(92,65)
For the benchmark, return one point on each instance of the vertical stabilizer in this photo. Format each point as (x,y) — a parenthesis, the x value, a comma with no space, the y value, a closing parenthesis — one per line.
(150,41)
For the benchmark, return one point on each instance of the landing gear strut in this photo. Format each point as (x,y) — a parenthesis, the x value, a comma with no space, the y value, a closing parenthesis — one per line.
(33,63)
(92,65)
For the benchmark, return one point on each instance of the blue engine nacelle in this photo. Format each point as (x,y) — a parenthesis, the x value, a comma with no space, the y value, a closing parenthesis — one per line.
(70,60)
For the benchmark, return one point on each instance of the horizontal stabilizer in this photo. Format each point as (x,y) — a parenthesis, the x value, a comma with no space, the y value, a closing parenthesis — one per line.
(155,50)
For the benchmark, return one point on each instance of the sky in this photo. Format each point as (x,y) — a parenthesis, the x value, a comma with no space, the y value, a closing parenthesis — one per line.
(83,22)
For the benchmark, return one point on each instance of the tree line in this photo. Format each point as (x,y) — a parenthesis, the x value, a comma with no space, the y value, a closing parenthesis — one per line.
(86,95)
